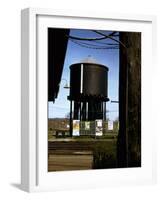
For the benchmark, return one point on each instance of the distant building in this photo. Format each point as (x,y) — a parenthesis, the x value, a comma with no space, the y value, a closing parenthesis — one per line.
(58,123)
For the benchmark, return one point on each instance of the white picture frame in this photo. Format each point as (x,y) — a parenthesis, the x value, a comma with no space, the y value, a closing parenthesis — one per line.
(34,176)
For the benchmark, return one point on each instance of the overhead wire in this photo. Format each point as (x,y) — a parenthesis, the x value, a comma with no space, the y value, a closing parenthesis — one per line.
(97,40)
(106,43)
(92,46)
(96,45)
(88,39)
(109,36)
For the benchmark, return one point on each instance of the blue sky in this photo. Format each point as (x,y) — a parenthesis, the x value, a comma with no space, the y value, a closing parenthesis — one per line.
(75,53)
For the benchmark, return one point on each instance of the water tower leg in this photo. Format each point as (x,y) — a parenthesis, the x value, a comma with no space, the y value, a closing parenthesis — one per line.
(71,119)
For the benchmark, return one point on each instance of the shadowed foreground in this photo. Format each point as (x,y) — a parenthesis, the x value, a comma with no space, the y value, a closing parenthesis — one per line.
(81,155)
(70,162)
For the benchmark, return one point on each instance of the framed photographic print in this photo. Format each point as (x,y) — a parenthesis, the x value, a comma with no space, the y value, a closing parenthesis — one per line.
(86,120)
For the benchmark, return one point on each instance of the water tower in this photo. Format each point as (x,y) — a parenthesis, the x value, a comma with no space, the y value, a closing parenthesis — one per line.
(88,91)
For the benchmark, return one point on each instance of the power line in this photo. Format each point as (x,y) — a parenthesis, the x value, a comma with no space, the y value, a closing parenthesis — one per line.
(88,39)
(106,43)
(96,40)
(109,36)
(92,46)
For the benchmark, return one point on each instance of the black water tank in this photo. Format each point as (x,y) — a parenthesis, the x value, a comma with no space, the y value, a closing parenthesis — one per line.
(88,80)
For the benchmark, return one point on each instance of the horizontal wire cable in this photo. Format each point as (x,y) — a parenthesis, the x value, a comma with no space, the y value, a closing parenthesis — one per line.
(108,36)
(92,47)
(85,43)
(88,39)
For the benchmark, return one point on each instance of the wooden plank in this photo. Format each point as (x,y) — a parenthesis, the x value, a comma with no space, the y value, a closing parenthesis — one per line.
(129,139)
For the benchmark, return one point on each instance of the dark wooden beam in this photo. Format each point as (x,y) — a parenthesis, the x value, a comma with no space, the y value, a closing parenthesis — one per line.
(129,139)
(57,45)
